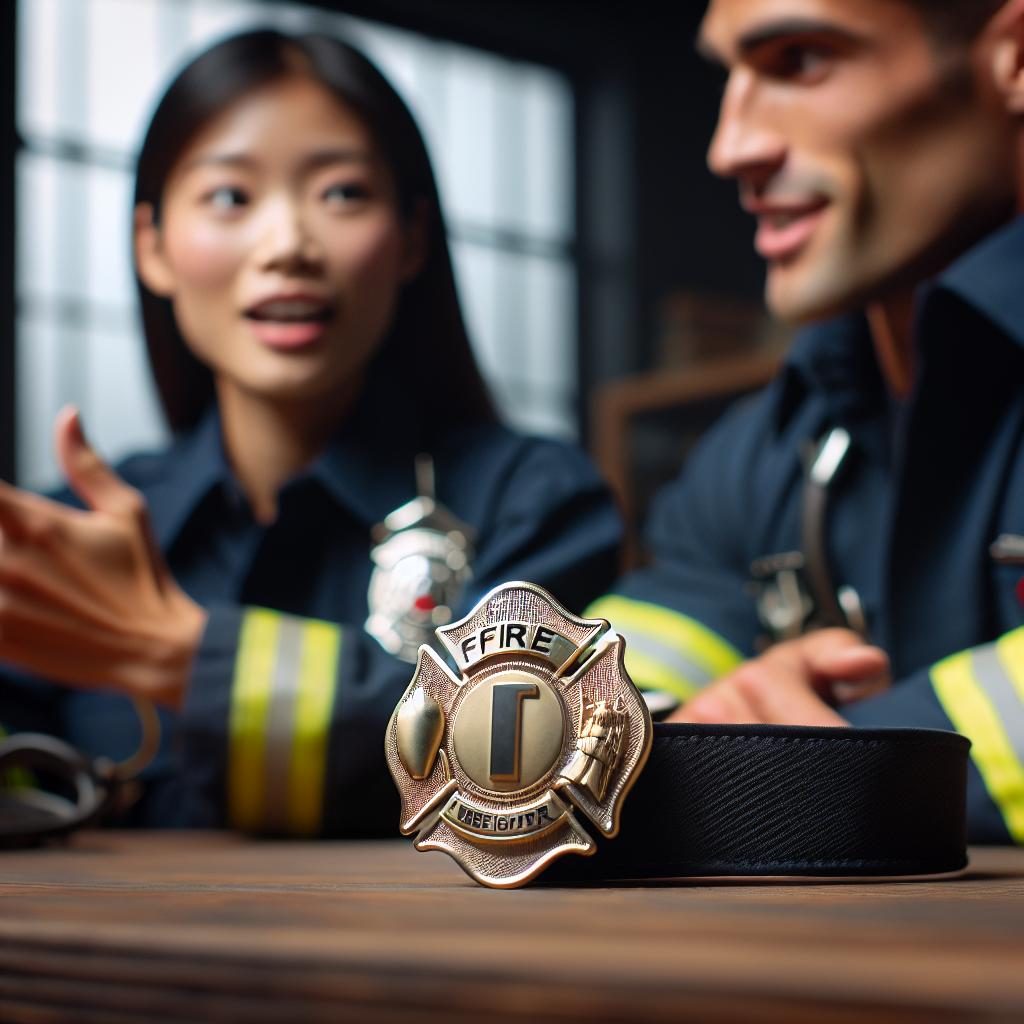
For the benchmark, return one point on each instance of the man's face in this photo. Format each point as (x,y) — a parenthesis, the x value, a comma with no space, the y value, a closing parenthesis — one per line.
(870,153)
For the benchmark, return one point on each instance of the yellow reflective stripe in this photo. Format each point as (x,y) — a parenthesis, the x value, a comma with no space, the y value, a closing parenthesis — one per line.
(1010,649)
(676,632)
(247,722)
(649,674)
(972,713)
(314,702)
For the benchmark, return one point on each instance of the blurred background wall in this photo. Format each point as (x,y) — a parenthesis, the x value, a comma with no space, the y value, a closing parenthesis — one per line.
(591,243)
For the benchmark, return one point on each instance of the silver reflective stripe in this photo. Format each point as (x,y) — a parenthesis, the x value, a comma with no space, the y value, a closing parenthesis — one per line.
(991,675)
(281,724)
(976,690)
(670,657)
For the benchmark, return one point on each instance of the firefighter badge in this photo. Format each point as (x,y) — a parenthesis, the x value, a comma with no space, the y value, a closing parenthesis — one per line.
(503,766)
(422,563)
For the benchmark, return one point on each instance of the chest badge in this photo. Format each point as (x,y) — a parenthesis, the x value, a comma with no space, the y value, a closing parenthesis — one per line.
(542,732)
(422,562)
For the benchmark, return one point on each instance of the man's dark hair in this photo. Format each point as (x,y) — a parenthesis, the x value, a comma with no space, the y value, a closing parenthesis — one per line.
(956,20)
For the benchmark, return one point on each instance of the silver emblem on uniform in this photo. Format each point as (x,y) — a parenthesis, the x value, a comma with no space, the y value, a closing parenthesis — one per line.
(422,563)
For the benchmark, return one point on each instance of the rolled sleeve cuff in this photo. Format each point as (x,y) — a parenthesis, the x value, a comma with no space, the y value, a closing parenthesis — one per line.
(666,651)
(980,694)
(258,715)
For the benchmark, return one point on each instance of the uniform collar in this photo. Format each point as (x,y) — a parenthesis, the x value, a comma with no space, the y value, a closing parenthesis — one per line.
(194,466)
(836,358)
(368,468)
(989,279)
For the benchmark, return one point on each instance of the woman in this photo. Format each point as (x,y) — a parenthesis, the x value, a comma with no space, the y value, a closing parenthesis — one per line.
(307,343)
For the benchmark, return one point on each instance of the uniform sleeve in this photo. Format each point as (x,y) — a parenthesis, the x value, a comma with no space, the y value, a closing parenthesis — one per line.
(552,522)
(688,617)
(979,693)
(283,728)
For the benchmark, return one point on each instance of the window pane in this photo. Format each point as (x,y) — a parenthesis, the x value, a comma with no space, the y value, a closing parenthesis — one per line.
(52,91)
(42,389)
(118,391)
(521,316)
(396,53)
(209,21)
(37,183)
(548,141)
(121,47)
(549,329)
(471,147)
(74,232)
(535,412)
(103,372)
(476,273)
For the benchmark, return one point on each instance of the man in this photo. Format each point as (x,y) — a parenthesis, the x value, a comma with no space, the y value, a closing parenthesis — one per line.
(877,144)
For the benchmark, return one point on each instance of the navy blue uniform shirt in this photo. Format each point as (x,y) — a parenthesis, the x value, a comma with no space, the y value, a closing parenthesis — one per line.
(283,725)
(929,485)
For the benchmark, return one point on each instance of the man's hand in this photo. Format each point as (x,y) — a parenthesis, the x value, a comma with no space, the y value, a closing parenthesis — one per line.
(793,683)
(86,598)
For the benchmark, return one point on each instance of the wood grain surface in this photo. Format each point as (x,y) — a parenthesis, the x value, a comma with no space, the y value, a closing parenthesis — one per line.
(209,926)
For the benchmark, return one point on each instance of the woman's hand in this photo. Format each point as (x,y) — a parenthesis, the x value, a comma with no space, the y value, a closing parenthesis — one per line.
(794,683)
(86,598)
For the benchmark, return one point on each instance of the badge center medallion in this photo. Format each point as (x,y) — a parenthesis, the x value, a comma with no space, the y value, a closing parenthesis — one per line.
(508,731)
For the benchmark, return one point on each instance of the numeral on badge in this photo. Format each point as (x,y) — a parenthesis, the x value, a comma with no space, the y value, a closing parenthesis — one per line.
(507,728)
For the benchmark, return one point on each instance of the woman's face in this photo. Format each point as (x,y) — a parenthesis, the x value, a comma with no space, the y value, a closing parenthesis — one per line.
(280,245)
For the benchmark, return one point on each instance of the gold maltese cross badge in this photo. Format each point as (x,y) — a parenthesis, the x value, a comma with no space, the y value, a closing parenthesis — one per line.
(499,766)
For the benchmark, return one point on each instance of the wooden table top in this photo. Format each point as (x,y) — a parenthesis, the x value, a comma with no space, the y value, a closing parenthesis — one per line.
(211,926)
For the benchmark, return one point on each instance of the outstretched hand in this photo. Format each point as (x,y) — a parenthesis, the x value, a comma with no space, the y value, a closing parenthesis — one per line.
(798,682)
(86,598)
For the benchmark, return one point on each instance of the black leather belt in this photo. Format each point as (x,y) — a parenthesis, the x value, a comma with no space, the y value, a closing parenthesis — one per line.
(540,759)
(763,800)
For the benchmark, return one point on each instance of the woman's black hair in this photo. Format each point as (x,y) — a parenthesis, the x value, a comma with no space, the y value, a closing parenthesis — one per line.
(427,342)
